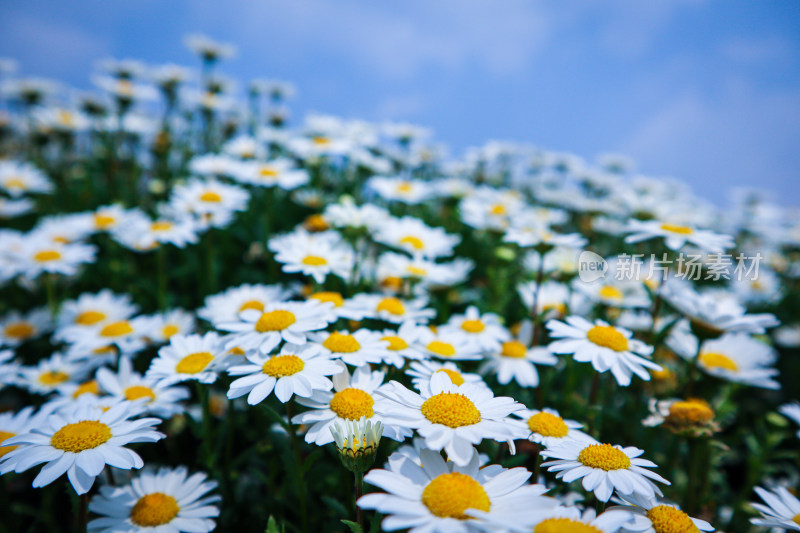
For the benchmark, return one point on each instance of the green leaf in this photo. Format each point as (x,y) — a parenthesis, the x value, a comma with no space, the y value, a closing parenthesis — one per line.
(272,526)
(355,528)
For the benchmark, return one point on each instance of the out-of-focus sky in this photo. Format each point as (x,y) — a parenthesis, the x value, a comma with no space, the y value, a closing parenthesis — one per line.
(707,91)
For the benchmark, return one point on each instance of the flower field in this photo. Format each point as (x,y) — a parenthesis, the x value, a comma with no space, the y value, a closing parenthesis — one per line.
(216,317)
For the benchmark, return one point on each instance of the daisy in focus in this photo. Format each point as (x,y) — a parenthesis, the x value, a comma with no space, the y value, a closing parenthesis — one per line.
(780,509)
(652,515)
(188,357)
(548,428)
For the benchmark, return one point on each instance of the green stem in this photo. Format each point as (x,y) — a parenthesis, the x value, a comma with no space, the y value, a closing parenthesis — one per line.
(358,492)
(205,447)
(83,513)
(50,287)
(161,258)
(298,458)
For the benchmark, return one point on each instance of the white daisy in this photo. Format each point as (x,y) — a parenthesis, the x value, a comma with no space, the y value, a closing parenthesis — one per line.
(676,236)
(128,335)
(188,357)
(171,322)
(17,179)
(403,342)
(402,190)
(604,468)
(13,424)
(445,497)
(422,371)
(450,417)
(51,373)
(297,369)
(16,327)
(359,348)
(157,399)
(388,308)
(226,306)
(484,330)
(39,256)
(81,444)
(275,173)
(782,509)
(546,427)
(288,321)
(346,214)
(351,399)
(606,347)
(652,515)
(415,237)
(168,500)
(571,519)
(514,360)
(450,345)
(90,309)
(313,254)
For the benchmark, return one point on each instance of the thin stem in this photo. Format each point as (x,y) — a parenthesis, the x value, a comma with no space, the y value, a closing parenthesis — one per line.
(83,513)
(202,395)
(535,315)
(359,491)
(50,287)
(298,458)
(161,259)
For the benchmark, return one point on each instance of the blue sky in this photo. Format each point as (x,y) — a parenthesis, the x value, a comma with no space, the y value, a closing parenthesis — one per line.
(706,91)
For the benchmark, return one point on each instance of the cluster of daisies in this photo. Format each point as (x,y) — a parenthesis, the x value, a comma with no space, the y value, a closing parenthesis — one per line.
(372,287)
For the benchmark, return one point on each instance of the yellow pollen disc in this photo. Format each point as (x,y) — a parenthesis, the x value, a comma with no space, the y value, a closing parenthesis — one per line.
(334,297)
(105,349)
(672,228)
(395,342)
(404,187)
(316,223)
(81,436)
(796,519)
(341,343)
(667,519)
(252,304)
(718,360)
(65,117)
(236,351)
(416,271)
(450,495)
(169,330)
(414,242)
(5,435)
(154,509)
(19,330)
(455,377)
(15,183)
(53,377)
(161,225)
(548,425)
(514,349)
(117,329)
(314,260)
(392,283)
(661,375)
(194,363)
(451,409)
(268,172)
(608,337)
(281,366)
(611,293)
(88,318)
(275,321)
(64,240)
(691,412)
(103,221)
(320,141)
(89,387)
(564,525)
(473,326)
(139,391)
(605,457)
(391,305)
(211,196)
(498,209)
(47,255)
(352,404)
(445,349)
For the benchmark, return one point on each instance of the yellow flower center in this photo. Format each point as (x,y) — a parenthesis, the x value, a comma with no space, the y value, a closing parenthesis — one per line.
(514,349)
(117,329)
(451,409)
(352,404)
(316,223)
(341,343)
(194,363)
(564,525)
(796,519)
(211,196)
(161,225)
(103,221)
(89,387)
(53,377)
(450,495)
(252,304)
(445,349)
(405,187)
(473,326)
(395,342)
(416,271)
(548,425)
(268,172)
(314,260)
(139,391)
(393,283)
(605,457)
(275,321)
(88,318)
(455,376)
(19,330)
(718,360)
(236,351)
(611,293)
(414,242)
(334,297)
(667,519)
(498,209)
(154,509)
(81,436)
(691,412)
(672,228)
(392,305)
(4,435)
(281,366)
(169,330)
(15,183)
(320,141)
(65,118)
(47,255)
(608,337)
